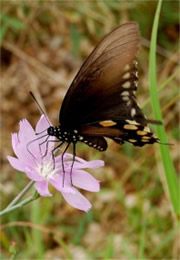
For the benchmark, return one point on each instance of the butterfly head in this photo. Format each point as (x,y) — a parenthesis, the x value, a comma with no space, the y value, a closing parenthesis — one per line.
(51,131)
(57,132)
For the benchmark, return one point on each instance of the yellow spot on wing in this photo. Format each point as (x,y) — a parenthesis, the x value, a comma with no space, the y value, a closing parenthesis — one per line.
(132,140)
(125,98)
(127,84)
(127,67)
(107,123)
(130,127)
(117,138)
(125,93)
(132,122)
(146,128)
(126,75)
(133,112)
(146,137)
(139,132)
(135,83)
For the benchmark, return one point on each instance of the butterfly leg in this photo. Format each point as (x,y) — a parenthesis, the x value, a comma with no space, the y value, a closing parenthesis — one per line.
(27,146)
(74,155)
(53,151)
(47,143)
(62,160)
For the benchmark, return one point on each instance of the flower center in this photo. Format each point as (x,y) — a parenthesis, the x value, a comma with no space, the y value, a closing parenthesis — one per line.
(47,170)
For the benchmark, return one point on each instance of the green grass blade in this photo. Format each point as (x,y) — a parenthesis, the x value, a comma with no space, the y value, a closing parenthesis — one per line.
(170,174)
(109,252)
(142,242)
(36,234)
(64,247)
(126,250)
(162,86)
(164,242)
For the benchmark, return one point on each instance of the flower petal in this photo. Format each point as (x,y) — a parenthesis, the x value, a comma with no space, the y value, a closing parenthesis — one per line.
(15,163)
(42,124)
(84,180)
(20,143)
(33,174)
(42,188)
(91,165)
(77,200)
(67,156)
(80,164)
(57,182)
(15,142)
(26,132)
(46,144)
(21,150)
(28,140)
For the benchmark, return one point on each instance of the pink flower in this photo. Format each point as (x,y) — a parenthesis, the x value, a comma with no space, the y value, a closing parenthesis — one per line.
(39,168)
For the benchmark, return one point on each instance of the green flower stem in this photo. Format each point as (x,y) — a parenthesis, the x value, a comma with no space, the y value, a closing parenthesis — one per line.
(21,194)
(20,204)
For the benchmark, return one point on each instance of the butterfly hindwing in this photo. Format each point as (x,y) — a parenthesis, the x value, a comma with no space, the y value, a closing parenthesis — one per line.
(121,130)
(97,142)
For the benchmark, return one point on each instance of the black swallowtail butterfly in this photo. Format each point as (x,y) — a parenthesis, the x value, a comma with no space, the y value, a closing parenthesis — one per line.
(101,101)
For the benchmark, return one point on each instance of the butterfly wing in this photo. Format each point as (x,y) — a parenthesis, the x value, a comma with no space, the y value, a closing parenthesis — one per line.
(105,86)
(101,101)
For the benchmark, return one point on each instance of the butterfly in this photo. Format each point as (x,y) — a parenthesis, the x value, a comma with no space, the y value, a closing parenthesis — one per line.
(101,100)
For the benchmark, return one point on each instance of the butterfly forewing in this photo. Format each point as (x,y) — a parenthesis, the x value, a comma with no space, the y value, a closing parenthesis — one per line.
(95,92)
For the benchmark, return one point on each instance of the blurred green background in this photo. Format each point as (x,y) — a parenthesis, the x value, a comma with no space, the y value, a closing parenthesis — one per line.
(43,44)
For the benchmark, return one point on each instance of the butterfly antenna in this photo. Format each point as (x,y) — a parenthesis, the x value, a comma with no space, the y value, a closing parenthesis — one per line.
(40,108)
(154,122)
(165,143)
